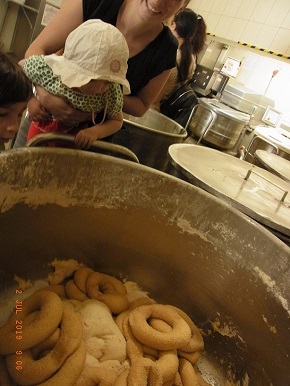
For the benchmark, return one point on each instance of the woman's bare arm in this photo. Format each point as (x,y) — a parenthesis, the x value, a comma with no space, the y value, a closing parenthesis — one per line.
(54,35)
(167,88)
(139,104)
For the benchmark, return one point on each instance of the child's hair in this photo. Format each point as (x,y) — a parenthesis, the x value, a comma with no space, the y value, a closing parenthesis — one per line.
(14,85)
(192,28)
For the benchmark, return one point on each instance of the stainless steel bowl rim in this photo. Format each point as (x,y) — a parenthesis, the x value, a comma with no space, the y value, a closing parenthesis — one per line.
(224,110)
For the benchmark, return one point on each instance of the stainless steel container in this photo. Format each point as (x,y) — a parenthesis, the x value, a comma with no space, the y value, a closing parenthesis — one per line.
(273,139)
(252,190)
(216,124)
(149,137)
(181,244)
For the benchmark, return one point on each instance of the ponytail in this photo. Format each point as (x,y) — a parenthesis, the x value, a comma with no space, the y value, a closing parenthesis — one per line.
(192,28)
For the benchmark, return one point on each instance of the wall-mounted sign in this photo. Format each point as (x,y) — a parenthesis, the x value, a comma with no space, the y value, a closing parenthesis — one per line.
(48,13)
(231,67)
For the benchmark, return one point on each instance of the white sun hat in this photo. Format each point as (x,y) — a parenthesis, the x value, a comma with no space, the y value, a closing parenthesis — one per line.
(94,50)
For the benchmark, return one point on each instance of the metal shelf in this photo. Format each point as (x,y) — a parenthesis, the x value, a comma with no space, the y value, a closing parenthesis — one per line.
(25,7)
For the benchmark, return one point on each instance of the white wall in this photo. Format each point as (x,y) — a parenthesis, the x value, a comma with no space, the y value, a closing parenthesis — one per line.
(263,23)
(256,73)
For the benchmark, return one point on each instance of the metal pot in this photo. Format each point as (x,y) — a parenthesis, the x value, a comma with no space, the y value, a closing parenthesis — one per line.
(216,124)
(277,137)
(67,140)
(181,244)
(149,137)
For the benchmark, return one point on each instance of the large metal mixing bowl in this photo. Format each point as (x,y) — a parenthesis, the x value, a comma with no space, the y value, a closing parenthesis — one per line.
(178,242)
(216,124)
(149,137)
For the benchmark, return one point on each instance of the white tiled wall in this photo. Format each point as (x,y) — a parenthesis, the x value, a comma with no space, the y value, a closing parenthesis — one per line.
(262,23)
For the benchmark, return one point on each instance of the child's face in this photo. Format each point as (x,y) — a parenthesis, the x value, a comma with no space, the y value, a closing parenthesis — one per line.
(10,117)
(95,86)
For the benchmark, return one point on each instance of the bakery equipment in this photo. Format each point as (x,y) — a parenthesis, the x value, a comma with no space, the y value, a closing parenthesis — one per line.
(278,136)
(206,81)
(183,245)
(249,188)
(149,137)
(246,100)
(274,163)
(216,124)
(275,140)
(202,80)
(257,142)
(67,140)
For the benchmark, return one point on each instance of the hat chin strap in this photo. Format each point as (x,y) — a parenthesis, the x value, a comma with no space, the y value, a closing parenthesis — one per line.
(104,115)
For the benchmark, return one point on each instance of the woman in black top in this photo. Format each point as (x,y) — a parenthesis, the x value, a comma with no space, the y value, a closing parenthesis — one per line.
(151,44)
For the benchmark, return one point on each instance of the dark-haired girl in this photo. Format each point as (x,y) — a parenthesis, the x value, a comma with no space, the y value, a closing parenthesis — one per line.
(189,29)
(15,92)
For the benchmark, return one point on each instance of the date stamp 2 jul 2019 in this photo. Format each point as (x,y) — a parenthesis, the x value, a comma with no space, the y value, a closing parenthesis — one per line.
(18,330)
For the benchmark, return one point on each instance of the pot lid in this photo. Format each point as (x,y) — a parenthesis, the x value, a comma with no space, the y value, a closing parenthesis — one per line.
(224,110)
(260,196)
(278,136)
(274,163)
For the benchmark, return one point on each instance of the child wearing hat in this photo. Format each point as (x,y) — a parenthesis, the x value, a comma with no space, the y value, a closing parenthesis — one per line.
(90,76)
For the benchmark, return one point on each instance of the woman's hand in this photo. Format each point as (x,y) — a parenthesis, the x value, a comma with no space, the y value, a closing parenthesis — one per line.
(59,109)
(36,111)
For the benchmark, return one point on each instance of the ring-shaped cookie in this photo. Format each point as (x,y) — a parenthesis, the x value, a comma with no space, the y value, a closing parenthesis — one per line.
(56,288)
(178,337)
(38,364)
(195,345)
(81,277)
(122,379)
(108,290)
(70,371)
(5,379)
(187,373)
(49,309)
(116,302)
(40,349)
(138,372)
(196,342)
(73,292)
(164,369)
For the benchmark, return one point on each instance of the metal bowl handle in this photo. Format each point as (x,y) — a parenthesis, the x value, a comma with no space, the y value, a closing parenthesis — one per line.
(97,146)
(207,128)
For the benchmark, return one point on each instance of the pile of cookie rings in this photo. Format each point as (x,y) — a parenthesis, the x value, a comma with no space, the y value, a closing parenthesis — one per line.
(162,343)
